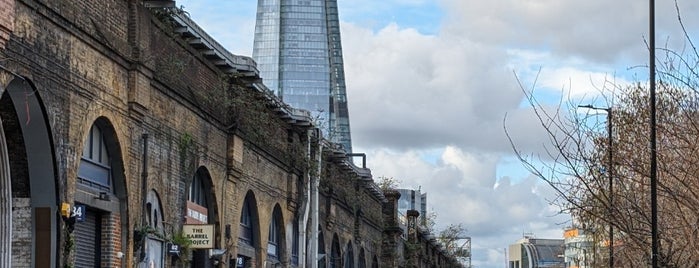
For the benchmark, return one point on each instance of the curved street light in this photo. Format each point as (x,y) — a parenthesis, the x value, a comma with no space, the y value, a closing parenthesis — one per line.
(610,173)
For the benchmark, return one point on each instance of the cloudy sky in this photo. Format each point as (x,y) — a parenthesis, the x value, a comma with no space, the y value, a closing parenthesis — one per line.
(430,83)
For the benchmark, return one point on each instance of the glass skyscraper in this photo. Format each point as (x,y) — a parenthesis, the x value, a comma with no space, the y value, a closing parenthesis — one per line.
(299,54)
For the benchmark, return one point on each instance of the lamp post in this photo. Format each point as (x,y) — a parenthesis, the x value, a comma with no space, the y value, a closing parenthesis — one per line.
(610,174)
(655,244)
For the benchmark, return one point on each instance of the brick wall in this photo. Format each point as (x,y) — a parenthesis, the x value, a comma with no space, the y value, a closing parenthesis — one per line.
(21,233)
(111,240)
(7,10)
(77,55)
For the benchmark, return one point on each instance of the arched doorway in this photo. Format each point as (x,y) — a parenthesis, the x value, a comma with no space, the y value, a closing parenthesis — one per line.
(335,254)
(248,232)
(349,256)
(154,250)
(362,259)
(33,176)
(100,199)
(201,209)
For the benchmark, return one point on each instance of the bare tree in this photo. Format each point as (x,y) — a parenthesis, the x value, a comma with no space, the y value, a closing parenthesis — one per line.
(576,166)
(450,237)
(387,183)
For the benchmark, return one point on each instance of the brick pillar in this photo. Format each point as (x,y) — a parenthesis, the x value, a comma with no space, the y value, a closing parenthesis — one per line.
(111,240)
(413,242)
(7,21)
(392,230)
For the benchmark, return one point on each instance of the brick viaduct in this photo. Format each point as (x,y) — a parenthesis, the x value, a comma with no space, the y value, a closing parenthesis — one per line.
(131,117)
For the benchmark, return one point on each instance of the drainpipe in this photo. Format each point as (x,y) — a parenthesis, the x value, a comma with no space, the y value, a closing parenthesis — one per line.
(303,220)
(144,179)
(144,192)
(315,182)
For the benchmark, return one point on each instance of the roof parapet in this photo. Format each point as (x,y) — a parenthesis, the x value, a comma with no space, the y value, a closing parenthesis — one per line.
(345,160)
(211,50)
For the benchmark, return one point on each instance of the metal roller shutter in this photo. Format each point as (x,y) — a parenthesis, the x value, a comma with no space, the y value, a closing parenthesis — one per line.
(88,236)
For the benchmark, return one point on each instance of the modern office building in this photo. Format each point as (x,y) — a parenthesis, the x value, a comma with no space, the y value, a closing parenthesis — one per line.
(412,200)
(580,251)
(299,54)
(530,252)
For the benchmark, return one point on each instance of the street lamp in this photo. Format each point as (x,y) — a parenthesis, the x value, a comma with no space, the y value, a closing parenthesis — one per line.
(655,243)
(610,173)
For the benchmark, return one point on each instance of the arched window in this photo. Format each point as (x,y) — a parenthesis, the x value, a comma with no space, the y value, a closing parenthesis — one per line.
(274,237)
(154,220)
(197,206)
(295,243)
(362,259)
(335,257)
(375,262)
(321,249)
(196,191)
(349,256)
(95,166)
(245,234)
(248,232)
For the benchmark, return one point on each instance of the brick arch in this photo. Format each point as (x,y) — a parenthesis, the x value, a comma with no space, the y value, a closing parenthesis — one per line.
(278,218)
(105,208)
(156,214)
(5,202)
(112,140)
(210,196)
(349,255)
(250,251)
(203,176)
(335,259)
(33,167)
(152,244)
(362,258)
(322,261)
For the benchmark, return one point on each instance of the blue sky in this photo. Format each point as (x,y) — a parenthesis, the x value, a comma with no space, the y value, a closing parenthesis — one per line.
(431,86)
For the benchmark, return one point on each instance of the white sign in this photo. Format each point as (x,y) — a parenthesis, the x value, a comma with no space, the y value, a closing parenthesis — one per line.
(201,235)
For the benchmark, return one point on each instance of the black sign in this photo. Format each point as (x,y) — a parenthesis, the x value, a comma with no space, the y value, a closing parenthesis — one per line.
(79,213)
(173,249)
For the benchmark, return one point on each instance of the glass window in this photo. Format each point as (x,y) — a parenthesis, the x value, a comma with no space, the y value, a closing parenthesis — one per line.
(273,238)
(95,168)
(196,191)
(295,244)
(349,256)
(245,234)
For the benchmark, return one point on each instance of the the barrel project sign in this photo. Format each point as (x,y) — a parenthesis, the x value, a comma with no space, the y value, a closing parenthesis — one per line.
(201,235)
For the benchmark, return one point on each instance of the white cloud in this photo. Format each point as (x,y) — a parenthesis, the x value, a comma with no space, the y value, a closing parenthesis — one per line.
(428,109)
(460,188)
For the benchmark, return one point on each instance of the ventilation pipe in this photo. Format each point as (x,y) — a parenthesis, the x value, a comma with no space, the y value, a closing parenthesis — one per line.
(305,207)
(315,182)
